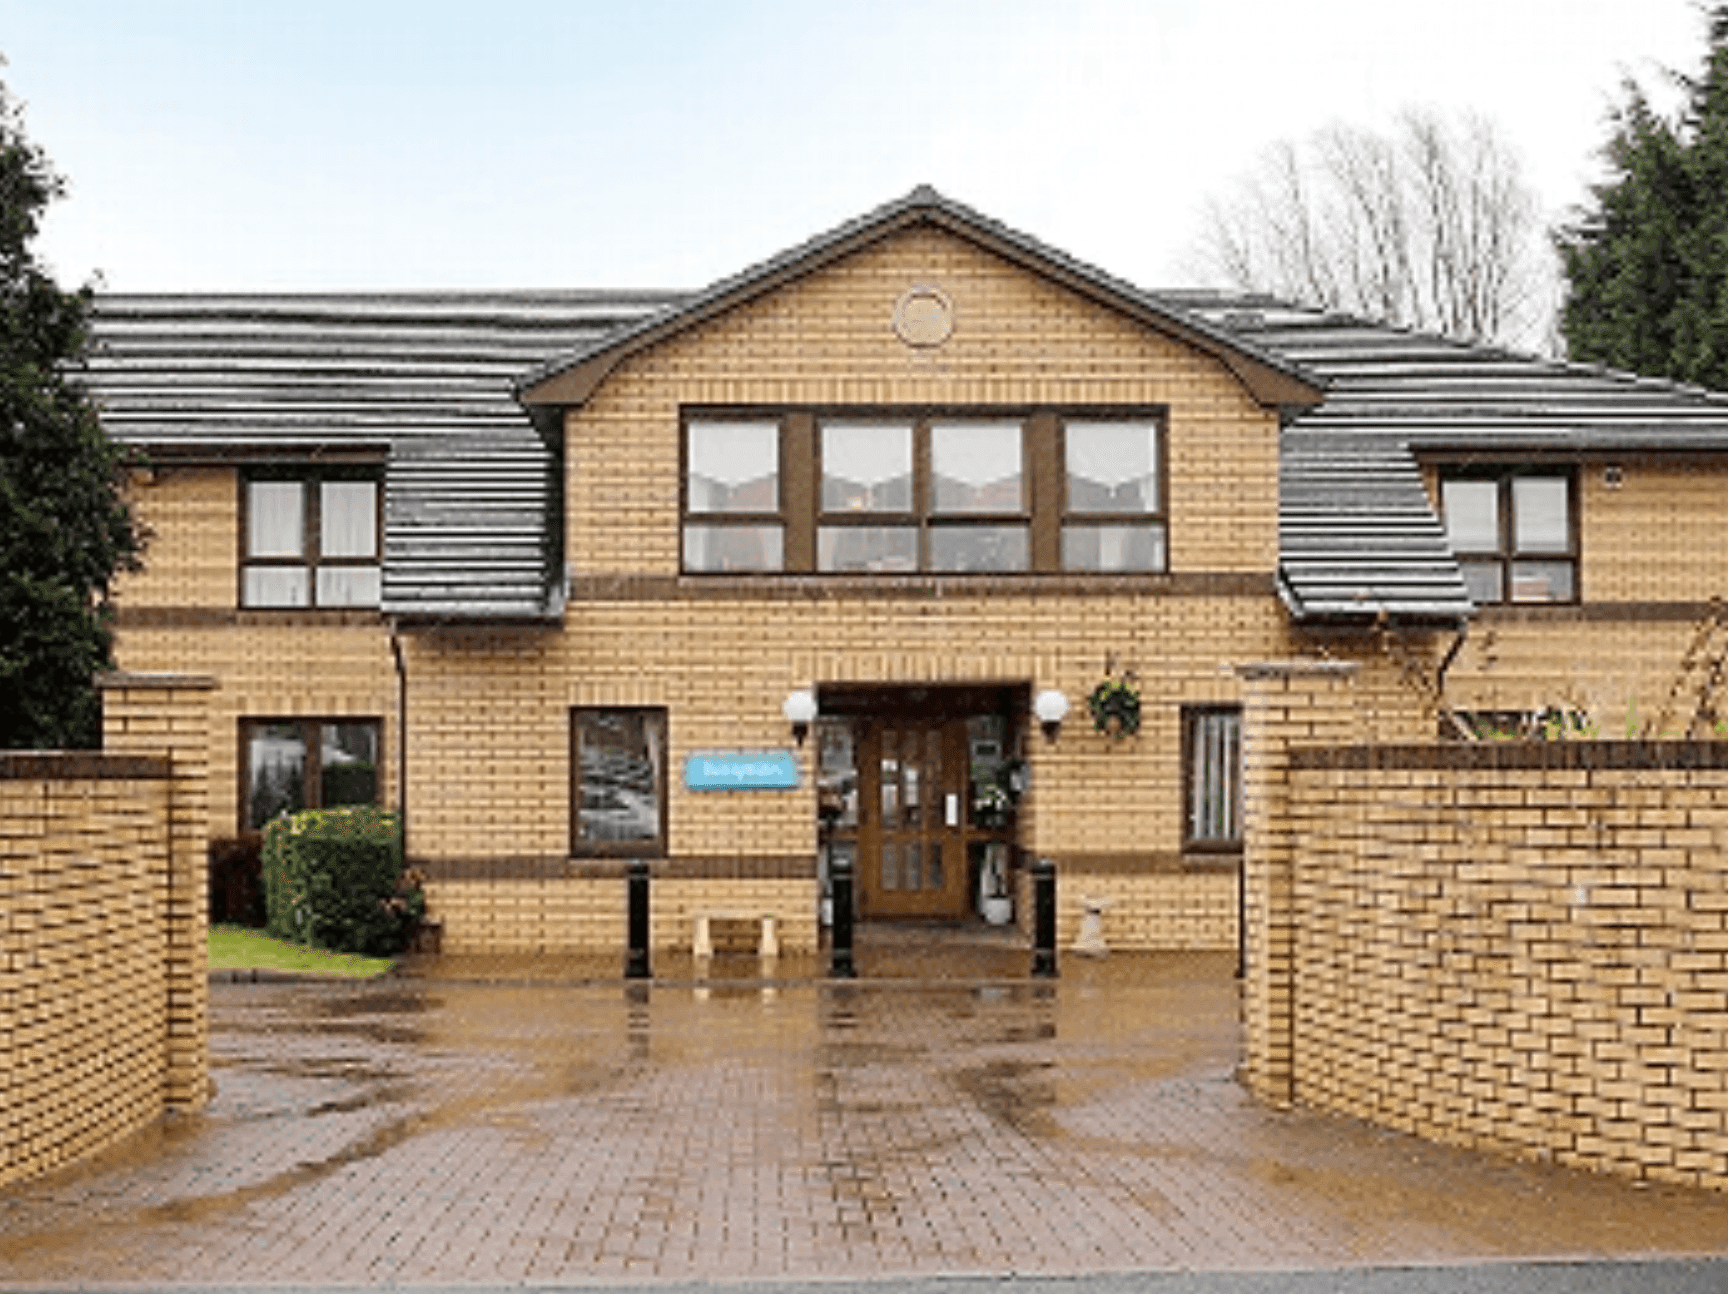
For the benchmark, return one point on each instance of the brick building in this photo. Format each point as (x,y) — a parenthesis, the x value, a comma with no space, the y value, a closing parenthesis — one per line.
(545,569)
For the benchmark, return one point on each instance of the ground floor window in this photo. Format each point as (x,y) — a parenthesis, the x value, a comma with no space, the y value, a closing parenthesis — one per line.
(294,764)
(1212,759)
(618,775)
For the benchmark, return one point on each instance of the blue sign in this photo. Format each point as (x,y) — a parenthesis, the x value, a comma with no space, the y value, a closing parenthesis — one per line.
(741,770)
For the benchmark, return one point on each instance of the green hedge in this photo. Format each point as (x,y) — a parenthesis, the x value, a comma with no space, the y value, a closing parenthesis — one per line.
(333,878)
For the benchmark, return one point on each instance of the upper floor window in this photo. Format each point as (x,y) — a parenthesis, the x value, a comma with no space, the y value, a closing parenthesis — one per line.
(925,494)
(1113,515)
(1514,533)
(732,507)
(312,540)
(890,492)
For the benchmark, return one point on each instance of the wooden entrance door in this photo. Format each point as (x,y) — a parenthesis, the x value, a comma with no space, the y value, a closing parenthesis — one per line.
(913,778)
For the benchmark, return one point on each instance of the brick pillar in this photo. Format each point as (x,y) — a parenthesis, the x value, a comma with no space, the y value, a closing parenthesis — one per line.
(1284,704)
(169,714)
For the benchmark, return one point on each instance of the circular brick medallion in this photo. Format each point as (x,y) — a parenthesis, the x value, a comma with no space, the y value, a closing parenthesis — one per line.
(924,317)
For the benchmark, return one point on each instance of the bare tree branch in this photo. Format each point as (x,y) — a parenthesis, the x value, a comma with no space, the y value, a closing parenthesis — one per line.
(1428,226)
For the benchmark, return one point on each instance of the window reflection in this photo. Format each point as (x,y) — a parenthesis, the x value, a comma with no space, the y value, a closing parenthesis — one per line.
(976,467)
(733,466)
(1111,466)
(620,757)
(866,467)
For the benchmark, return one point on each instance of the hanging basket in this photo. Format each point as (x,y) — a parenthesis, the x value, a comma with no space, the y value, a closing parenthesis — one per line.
(1115,707)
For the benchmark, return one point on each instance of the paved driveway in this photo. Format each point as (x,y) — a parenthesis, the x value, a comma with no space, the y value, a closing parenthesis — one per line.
(437,1131)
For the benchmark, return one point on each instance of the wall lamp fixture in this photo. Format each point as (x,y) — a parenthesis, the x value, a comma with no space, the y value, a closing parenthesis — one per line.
(1051,707)
(800,711)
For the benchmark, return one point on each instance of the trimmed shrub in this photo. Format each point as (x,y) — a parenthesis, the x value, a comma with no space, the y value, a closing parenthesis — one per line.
(333,878)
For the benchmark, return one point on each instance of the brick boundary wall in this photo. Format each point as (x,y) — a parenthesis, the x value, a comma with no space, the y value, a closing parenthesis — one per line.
(1518,947)
(103,1001)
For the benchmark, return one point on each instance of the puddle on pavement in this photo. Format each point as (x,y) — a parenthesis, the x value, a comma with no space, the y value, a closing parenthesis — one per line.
(852,1088)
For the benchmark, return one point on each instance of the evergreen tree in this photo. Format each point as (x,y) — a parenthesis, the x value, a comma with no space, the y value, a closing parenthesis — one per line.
(1646,263)
(64,526)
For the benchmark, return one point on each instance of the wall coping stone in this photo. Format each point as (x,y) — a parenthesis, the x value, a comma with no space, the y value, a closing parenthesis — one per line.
(1297,668)
(82,766)
(117,679)
(1554,755)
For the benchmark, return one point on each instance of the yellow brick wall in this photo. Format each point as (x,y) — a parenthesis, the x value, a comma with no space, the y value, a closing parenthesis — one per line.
(827,339)
(83,958)
(289,666)
(1657,536)
(192,552)
(103,981)
(1530,960)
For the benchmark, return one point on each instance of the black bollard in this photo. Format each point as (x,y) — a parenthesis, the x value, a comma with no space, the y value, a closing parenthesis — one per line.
(1044,919)
(636,964)
(840,931)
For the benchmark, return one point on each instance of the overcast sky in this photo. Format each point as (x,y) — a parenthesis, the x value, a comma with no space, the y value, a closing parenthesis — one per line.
(352,144)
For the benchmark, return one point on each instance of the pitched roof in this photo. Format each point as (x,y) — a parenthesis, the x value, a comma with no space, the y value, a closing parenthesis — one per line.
(430,383)
(1273,379)
(1357,532)
(425,382)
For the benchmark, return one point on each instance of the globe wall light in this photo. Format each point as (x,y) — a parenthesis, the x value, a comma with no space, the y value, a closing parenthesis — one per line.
(800,711)
(1051,707)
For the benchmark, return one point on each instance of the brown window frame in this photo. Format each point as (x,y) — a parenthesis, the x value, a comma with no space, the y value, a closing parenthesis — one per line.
(721,520)
(311,558)
(1193,789)
(655,848)
(1043,512)
(312,776)
(922,516)
(1506,555)
(1158,519)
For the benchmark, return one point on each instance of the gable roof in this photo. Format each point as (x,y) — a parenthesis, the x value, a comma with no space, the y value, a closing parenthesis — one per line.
(1272,379)
(433,386)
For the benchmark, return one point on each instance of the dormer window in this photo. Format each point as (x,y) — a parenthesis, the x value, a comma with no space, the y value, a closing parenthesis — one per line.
(1514,533)
(311,540)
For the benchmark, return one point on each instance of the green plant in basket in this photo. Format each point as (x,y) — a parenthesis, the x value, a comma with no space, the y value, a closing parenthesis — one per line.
(1115,706)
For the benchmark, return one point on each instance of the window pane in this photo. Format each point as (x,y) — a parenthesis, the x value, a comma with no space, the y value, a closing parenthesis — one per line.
(276,586)
(348,764)
(976,467)
(734,548)
(1112,466)
(1482,580)
(1112,548)
(275,519)
(1540,519)
(1472,511)
(349,586)
(1542,582)
(979,548)
(733,466)
(275,772)
(866,467)
(348,519)
(879,549)
(620,754)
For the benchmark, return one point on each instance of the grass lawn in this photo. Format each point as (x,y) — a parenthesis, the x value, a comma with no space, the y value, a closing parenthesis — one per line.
(242,948)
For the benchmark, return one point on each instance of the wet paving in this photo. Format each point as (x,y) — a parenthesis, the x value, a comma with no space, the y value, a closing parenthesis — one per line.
(478,1123)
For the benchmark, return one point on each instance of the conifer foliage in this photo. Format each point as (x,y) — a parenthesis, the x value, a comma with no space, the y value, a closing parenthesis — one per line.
(1646,261)
(64,526)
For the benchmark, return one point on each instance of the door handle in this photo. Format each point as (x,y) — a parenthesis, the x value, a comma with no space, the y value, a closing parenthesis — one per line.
(951,809)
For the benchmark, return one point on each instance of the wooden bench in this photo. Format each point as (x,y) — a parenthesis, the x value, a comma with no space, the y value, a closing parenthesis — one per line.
(768,941)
